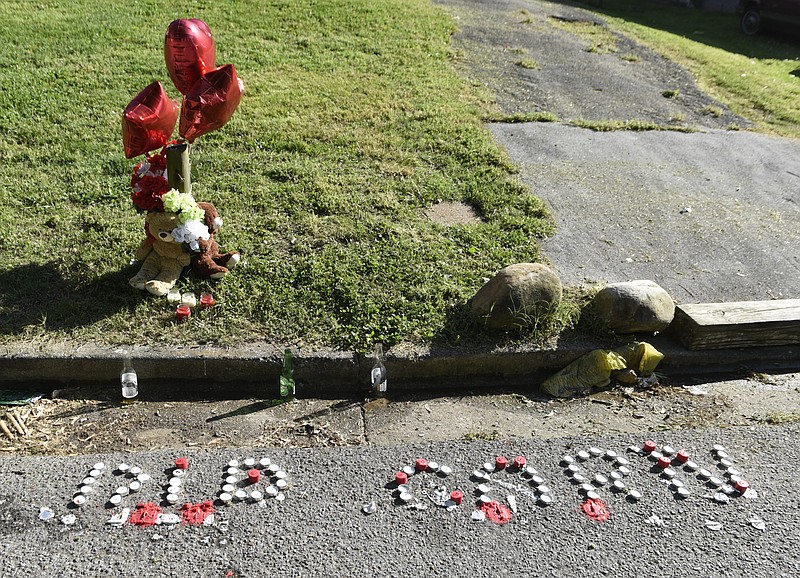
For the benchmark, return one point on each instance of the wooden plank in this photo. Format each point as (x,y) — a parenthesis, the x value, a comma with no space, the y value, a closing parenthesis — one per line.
(737,324)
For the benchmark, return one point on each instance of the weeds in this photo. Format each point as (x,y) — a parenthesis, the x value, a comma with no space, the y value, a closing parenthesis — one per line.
(528,63)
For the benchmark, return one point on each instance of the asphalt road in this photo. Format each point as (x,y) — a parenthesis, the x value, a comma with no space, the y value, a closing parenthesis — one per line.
(320,529)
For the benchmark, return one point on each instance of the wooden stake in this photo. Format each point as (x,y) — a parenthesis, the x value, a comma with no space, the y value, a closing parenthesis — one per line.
(179,168)
(13,421)
(18,417)
(6,431)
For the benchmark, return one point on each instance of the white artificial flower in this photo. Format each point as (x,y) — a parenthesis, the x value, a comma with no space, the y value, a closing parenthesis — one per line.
(191,232)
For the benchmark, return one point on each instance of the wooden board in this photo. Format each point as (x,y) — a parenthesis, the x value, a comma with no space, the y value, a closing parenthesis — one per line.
(737,324)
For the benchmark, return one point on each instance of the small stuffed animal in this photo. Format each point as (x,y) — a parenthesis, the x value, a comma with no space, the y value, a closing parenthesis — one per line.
(208,262)
(165,261)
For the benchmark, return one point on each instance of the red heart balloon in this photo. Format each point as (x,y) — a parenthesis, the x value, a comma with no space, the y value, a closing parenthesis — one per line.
(211,102)
(189,52)
(148,121)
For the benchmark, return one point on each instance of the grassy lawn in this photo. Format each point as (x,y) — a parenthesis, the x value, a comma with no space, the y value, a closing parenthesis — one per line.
(353,123)
(757,77)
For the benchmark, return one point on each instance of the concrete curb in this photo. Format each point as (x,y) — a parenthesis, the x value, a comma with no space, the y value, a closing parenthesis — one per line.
(253,370)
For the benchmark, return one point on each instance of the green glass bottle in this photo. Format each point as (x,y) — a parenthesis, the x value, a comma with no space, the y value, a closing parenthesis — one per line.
(287,375)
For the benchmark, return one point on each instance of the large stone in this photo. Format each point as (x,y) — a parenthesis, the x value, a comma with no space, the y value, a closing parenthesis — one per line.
(634,307)
(515,294)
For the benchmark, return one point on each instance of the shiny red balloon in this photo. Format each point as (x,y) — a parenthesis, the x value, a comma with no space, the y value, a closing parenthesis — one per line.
(148,121)
(189,52)
(211,102)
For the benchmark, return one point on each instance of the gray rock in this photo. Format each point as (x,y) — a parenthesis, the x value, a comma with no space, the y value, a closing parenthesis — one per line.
(634,307)
(516,293)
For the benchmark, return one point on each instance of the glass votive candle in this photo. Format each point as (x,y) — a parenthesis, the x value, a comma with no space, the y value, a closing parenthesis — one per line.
(189,300)
(174,296)
(183,312)
(206,300)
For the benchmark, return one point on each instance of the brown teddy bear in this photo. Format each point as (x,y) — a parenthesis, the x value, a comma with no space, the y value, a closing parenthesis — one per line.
(164,261)
(208,262)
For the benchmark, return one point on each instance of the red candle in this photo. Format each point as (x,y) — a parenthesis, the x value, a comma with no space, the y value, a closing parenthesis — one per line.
(207,300)
(400,478)
(519,462)
(253,476)
(421,465)
(457,497)
(500,462)
(182,463)
(183,312)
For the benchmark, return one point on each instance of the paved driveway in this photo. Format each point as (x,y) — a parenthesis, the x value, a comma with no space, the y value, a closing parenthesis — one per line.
(712,215)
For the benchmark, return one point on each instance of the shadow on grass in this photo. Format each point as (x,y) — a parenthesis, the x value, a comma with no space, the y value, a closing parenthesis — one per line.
(38,295)
(717,29)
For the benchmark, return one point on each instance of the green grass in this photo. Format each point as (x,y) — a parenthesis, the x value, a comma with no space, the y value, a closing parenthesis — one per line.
(353,122)
(529,63)
(601,40)
(752,75)
(632,125)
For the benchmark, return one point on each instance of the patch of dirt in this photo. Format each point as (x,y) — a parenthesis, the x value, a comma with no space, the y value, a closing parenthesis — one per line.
(94,421)
(89,422)
(453,213)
